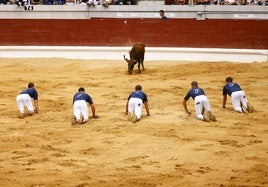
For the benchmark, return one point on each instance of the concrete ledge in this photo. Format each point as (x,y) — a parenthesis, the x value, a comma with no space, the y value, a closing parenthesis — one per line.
(134,11)
(152,53)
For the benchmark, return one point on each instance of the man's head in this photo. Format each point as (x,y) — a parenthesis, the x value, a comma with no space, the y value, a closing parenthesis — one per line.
(30,85)
(138,87)
(194,84)
(161,12)
(229,79)
(81,89)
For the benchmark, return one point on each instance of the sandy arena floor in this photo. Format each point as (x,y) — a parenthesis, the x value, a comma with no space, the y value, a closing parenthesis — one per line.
(166,149)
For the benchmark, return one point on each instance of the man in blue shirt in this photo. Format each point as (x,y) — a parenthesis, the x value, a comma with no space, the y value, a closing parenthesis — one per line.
(24,99)
(238,96)
(80,108)
(134,104)
(162,14)
(201,103)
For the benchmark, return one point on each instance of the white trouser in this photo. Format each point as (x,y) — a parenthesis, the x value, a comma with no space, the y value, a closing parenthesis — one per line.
(238,98)
(24,100)
(135,106)
(80,108)
(201,102)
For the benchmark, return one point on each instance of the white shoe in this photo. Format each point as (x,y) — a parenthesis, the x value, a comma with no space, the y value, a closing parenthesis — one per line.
(211,116)
(83,121)
(206,118)
(250,108)
(134,118)
(73,121)
(244,109)
(129,116)
(21,115)
(80,121)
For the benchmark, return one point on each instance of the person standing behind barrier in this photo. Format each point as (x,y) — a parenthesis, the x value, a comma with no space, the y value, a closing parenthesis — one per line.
(238,96)
(201,103)
(80,107)
(67,2)
(162,14)
(134,104)
(203,2)
(24,99)
(3,2)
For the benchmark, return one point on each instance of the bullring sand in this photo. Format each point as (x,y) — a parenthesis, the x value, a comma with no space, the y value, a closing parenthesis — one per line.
(167,148)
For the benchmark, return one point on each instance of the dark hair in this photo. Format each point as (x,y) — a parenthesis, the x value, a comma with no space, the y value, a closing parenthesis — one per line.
(30,85)
(229,79)
(162,11)
(194,83)
(81,89)
(138,87)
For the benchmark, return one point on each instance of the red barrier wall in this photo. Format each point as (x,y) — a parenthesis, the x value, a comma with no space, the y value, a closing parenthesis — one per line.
(210,33)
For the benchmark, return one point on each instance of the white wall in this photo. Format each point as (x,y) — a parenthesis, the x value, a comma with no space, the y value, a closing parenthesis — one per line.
(151,53)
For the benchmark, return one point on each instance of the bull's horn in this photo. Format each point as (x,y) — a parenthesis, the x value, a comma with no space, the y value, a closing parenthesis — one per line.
(125,58)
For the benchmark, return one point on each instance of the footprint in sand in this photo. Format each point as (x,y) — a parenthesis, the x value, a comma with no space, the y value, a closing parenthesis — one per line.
(230,143)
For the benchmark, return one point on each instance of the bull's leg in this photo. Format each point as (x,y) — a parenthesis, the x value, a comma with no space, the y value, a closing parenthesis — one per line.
(139,63)
(142,65)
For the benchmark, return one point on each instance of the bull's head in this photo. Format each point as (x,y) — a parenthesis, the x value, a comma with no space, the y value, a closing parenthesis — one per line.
(131,63)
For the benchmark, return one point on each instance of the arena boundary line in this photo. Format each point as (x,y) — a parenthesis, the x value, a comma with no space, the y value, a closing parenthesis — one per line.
(152,53)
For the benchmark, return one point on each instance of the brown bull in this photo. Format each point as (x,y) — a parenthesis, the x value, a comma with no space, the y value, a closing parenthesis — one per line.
(136,56)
